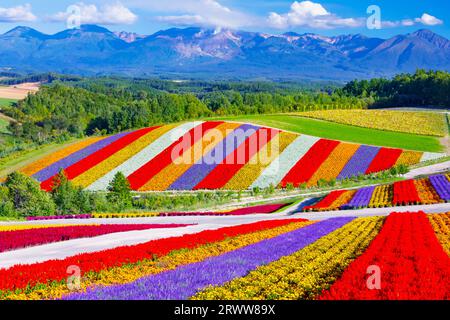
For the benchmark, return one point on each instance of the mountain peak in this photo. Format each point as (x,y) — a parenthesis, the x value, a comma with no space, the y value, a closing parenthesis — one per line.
(93,28)
(25,32)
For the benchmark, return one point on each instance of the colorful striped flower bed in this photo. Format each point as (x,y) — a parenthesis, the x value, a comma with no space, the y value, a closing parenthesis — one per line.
(410,259)
(259,209)
(214,155)
(12,240)
(432,190)
(284,259)
(28,276)
(185,281)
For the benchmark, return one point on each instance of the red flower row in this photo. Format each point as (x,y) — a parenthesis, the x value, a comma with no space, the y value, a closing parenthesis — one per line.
(327,201)
(12,240)
(405,192)
(21,276)
(404,262)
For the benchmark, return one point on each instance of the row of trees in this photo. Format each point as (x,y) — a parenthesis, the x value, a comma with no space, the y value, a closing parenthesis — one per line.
(60,111)
(21,196)
(423,88)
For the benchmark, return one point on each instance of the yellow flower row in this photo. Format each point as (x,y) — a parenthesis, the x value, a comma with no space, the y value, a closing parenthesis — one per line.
(93,174)
(334,164)
(304,274)
(426,192)
(130,273)
(382,197)
(125,215)
(16,227)
(424,123)
(409,158)
(260,161)
(58,155)
(162,180)
(441,226)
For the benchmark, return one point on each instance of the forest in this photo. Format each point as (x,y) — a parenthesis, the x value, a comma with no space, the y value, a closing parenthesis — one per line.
(66,107)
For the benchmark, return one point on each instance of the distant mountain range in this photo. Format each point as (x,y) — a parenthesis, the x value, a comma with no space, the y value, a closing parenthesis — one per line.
(203,53)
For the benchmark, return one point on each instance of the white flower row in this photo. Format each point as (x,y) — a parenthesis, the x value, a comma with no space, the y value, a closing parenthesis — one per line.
(144,156)
(432,156)
(278,169)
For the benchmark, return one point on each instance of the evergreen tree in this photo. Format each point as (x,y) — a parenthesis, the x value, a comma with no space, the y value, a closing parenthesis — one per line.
(64,194)
(120,192)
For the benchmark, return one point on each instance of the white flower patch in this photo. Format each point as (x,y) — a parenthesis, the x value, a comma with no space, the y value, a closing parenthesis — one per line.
(432,156)
(144,156)
(278,169)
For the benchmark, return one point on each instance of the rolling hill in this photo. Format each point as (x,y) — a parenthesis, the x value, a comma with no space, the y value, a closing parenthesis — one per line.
(214,155)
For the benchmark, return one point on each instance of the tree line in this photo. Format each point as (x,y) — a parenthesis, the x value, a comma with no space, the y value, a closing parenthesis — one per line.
(421,89)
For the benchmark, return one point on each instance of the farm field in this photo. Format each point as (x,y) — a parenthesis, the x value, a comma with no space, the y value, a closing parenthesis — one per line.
(241,156)
(431,190)
(319,259)
(19,91)
(331,130)
(422,123)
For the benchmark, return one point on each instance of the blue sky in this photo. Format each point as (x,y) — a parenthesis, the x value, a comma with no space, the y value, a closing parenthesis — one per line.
(271,16)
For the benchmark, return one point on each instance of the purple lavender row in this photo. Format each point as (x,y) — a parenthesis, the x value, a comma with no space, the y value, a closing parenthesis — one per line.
(54,168)
(197,172)
(187,280)
(442,186)
(361,198)
(359,163)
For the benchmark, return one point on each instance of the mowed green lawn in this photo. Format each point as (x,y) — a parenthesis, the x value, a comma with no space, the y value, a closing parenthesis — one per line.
(330,130)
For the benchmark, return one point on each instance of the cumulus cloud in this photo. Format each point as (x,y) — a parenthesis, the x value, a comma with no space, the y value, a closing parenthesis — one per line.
(425,19)
(17,14)
(108,14)
(429,20)
(209,13)
(311,14)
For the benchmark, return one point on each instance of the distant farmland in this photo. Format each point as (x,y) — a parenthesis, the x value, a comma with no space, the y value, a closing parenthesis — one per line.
(17,92)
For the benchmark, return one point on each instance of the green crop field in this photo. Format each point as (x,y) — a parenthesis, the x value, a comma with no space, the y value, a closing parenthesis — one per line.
(343,132)
(6,102)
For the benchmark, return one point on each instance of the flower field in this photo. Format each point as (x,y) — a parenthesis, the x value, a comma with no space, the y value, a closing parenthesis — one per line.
(258,209)
(424,123)
(214,155)
(16,239)
(434,189)
(280,259)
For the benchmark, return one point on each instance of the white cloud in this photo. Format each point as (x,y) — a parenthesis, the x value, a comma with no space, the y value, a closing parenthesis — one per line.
(429,20)
(426,19)
(108,14)
(208,13)
(311,14)
(17,14)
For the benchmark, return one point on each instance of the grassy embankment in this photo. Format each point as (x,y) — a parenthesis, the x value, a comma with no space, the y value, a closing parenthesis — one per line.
(331,130)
